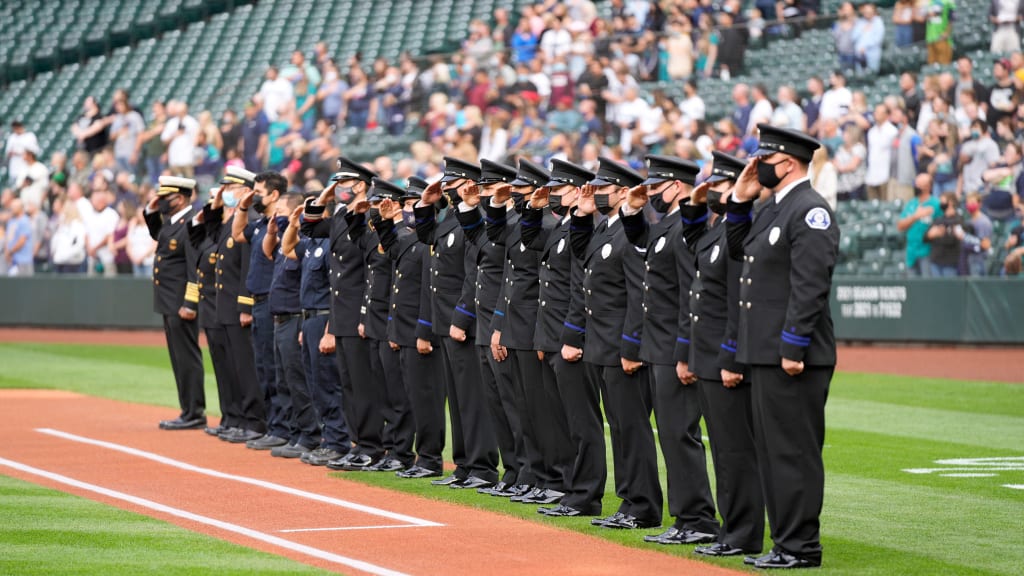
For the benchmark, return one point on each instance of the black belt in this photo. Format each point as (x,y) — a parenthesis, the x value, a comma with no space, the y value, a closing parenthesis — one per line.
(307,314)
(259,297)
(282,318)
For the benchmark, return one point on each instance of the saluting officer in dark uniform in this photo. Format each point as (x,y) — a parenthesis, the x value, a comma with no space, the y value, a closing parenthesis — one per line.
(176,296)
(346,229)
(267,190)
(724,402)
(385,360)
(410,328)
(668,270)
(452,274)
(502,411)
(785,335)
(613,321)
(318,342)
(286,307)
(545,430)
(235,303)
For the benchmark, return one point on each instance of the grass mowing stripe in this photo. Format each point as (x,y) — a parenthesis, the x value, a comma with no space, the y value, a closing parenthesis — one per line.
(983,398)
(972,429)
(49,532)
(925,520)
(848,557)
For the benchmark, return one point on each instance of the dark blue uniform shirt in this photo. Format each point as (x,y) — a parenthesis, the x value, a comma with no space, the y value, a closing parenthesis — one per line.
(315,292)
(261,268)
(284,288)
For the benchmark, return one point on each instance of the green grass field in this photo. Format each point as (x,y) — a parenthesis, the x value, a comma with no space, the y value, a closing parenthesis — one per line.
(878,519)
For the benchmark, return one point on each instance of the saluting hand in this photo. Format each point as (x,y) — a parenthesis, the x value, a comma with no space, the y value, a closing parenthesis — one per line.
(502,193)
(540,198)
(216,198)
(293,218)
(432,194)
(636,197)
(792,367)
(326,195)
(470,195)
(700,193)
(587,206)
(747,187)
(389,209)
(246,200)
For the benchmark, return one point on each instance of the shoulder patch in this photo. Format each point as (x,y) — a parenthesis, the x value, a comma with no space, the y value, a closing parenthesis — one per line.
(818,219)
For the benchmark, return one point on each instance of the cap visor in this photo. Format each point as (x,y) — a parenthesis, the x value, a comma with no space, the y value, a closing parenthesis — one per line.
(601,182)
(651,181)
(520,182)
(408,197)
(450,178)
(715,178)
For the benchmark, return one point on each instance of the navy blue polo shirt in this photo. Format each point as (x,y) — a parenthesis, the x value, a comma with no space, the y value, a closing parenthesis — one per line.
(284,288)
(261,268)
(315,292)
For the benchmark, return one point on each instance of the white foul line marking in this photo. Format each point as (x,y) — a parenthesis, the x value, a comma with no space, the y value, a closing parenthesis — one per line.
(338,528)
(248,532)
(1014,486)
(241,479)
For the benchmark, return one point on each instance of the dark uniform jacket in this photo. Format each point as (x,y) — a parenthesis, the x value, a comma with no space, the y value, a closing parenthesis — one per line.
(547,235)
(205,272)
(410,297)
(174,264)
(612,290)
(788,255)
(515,315)
(490,264)
(378,288)
(346,231)
(449,264)
(233,259)
(660,244)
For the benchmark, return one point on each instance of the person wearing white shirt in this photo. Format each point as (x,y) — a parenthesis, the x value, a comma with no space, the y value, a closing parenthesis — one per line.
(276,93)
(789,114)
(34,181)
(632,111)
(18,141)
(881,138)
(100,221)
(835,103)
(868,36)
(179,135)
(693,106)
(762,110)
(556,41)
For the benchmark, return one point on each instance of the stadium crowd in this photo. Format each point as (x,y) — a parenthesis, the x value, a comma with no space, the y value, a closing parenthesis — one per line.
(557,81)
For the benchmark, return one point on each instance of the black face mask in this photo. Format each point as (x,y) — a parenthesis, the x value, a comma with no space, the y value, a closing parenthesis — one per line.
(344,195)
(766,175)
(601,201)
(163,205)
(452,194)
(373,214)
(281,221)
(258,204)
(944,206)
(520,201)
(715,202)
(658,203)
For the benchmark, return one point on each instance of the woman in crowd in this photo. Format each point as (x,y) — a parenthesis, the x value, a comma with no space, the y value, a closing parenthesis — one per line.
(67,246)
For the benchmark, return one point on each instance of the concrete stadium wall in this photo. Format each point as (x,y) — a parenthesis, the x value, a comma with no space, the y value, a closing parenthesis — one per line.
(961,310)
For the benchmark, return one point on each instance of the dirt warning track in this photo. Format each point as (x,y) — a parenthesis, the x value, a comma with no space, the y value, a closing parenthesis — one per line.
(113,452)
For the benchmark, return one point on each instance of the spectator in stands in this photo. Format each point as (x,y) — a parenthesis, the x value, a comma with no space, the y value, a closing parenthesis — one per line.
(126,128)
(977,242)
(945,237)
(276,93)
(939,31)
(976,155)
(141,247)
(556,41)
(305,102)
(299,68)
(479,45)
(1002,97)
(1001,201)
(255,130)
(1006,17)
(330,93)
(915,222)
(679,49)
(708,41)
(230,134)
(90,130)
(881,138)
(149,145)
(905,155)
(732,45)
(118,243)
(835,103)
(824,178)
(788,114)
(762,109)
(851,165)
(68,245)
(965,80)
(831,136)
(59,173)
(524,43)
(911,96)
(18,241)
(742,107)
(34,181)
(357,99)
(869,35)
(100,220)
(844,34)
(40,237)
(903,23)
(18,141)
(812,104)
(179,135)
(936,157)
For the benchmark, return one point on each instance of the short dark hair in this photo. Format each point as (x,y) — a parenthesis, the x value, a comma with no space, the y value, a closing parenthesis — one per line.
(274,180)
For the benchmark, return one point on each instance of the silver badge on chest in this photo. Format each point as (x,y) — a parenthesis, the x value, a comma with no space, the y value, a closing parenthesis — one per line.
(319,252)
(561,246)
(522,247)
(660,245)
(773,236)
(451,239)
(715,253)
(606,251)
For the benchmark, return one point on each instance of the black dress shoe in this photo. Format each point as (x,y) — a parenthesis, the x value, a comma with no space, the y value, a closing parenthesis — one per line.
(534,493)
(564,511)
(228,432)
(752,560)
(242,436)
(718,549)
(179,424)
(656,538)
(290,451)
(471,483)
(215,430)
(782,560)
(499,487)
(418,472)
(354,463)
(513,491)
(266,442)
(386,464)
(602,521)
(547,496)
(688,536)
(632,523)
(447,480)
(321,457)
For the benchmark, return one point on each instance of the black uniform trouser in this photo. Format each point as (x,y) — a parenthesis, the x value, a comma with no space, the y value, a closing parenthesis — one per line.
(325,387)
(399,426)
(247,388)
(789,432)
(677,412)
(291,374)
(727,413)
(362,395)
(187,364)
(461,354)
(476,434)
(546,429)
(505,404)
(423,376)
(627,404)
(581,400)
(224,370)
(277,401)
